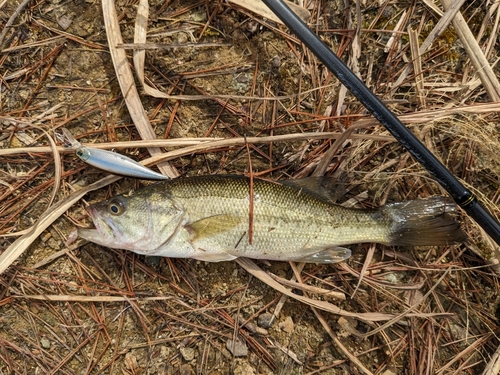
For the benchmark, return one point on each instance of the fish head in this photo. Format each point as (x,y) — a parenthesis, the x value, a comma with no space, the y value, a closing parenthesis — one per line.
(137,222)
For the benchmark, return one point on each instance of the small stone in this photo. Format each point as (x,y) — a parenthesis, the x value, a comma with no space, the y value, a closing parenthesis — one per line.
(346,328)
(53,244)
(186,369)
(261,331)
(164,351)
(187,354)
(65,21)
(276,62)
(152,261)
(414,297)
(342,321)
(252,26)
(237,347)
(34,309)
(244,368)
(287,325)
(45,343)
(253,328)
(131,362)
(390,371)
(182,38)
(265,320)
(46,237)
(72,236)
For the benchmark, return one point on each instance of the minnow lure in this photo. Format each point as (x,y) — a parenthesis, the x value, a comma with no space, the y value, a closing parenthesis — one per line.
(109,161)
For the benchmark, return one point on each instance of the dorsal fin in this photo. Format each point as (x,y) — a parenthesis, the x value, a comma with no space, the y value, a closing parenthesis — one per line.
(327,188)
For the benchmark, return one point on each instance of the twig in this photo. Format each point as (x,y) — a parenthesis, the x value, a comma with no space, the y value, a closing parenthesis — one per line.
(417,66)
(11,20)
(256,271)
(407,311)
(17,248)
(259,8)
(366,263)
(309,288)
(284,297)
(152,46)
(469,349)
(442,24)
(330,332)
(54,39)
(328,156)
(57,167)
(72,37)
(476,55)
(127,85)
(493,366)
(197,144)
(494,30)
(74,298)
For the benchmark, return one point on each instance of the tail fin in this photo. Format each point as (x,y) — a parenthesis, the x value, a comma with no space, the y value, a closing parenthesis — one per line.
(424,222)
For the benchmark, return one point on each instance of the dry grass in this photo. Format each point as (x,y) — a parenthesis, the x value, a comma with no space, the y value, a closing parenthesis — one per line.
(217,85)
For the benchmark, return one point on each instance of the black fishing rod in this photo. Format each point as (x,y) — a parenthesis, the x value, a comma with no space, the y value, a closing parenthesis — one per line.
(462,196)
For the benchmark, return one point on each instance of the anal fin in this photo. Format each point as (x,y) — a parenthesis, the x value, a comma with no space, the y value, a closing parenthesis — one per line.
(218,257)
(330,255)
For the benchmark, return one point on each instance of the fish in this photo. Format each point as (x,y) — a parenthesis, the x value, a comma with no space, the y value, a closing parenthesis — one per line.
(212,218)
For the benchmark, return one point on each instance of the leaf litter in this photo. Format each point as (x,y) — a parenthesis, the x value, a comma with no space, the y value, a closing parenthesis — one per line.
(201,109)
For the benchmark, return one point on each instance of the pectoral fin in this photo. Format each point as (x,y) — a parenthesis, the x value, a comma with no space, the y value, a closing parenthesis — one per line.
(331,255)
(212,225)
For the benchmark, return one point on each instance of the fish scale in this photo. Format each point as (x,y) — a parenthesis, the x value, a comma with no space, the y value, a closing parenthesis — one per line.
(207,218)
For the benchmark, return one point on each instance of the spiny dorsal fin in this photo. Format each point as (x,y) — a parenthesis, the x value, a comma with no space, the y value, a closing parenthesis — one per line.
(327,188)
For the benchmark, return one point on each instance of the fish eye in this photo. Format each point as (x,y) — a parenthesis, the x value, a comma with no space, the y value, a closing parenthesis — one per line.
(83,153)
(116,207)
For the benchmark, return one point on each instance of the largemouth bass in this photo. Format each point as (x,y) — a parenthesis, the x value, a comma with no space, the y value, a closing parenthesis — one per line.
(208,218)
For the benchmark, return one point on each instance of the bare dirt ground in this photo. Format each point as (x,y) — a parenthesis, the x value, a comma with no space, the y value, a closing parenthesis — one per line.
(86,309)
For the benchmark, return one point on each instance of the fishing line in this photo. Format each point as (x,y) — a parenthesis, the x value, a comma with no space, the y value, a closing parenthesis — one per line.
(462,196)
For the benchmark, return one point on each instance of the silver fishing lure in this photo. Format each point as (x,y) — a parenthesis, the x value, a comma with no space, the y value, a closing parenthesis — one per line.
(109,161)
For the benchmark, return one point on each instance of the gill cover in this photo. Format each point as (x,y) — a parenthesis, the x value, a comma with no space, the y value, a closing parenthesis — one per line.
(138,222)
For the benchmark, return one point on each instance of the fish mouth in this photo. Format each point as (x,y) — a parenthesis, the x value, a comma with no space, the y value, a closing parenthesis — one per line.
(104,231)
